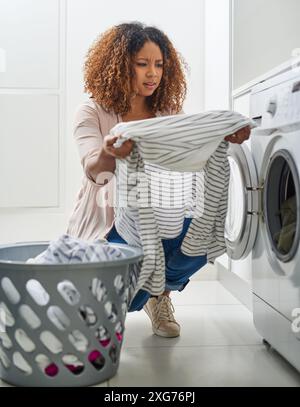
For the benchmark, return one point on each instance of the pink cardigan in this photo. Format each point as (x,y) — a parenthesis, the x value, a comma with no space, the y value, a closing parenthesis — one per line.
(90,220)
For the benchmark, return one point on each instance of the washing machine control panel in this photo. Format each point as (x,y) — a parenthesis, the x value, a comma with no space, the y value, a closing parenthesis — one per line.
(272,106)
(279,106)
(284,106)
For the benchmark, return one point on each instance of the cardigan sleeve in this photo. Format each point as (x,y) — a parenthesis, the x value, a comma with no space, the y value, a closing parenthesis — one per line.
(87,135)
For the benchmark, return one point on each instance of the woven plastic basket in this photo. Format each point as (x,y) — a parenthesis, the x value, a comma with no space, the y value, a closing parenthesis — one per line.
(61,324)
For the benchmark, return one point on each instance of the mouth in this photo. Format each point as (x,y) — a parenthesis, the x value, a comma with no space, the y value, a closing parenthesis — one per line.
(150,85)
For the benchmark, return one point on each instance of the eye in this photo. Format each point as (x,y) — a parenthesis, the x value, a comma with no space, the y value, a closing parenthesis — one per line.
(141,64)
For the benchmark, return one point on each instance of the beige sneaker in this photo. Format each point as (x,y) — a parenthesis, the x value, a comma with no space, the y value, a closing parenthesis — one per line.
(160,311)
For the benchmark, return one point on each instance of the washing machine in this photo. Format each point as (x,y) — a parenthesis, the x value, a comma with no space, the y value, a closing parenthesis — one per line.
(264,211)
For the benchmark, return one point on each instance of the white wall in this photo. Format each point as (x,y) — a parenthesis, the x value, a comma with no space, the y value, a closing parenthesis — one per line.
(42,172)
(265,34)
(31,119)
(217,55)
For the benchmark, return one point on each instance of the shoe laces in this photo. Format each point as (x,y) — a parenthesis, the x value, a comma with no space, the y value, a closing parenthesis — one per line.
(164,309)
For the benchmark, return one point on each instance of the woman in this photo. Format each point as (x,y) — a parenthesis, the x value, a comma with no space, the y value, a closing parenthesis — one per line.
(132,72)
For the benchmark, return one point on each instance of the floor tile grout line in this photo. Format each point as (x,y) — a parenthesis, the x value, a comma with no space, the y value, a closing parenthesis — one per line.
(214,305)
(194,346)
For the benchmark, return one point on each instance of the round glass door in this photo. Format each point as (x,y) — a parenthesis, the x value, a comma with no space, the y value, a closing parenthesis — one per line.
(241,225)
(236,212)
(281,205)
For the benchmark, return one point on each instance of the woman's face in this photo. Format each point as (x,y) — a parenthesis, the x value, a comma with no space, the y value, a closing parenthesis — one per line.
(148,69)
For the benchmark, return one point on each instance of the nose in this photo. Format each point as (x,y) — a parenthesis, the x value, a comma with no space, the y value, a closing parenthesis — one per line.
(151,71)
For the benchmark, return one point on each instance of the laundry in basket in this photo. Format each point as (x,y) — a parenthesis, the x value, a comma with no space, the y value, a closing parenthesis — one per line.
(63,324)
(68,249)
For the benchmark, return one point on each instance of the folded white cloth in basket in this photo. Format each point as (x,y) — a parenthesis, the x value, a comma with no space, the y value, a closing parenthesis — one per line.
(67,249)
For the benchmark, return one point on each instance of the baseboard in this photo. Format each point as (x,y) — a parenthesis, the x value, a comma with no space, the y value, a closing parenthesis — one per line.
(238,287)
(207,273)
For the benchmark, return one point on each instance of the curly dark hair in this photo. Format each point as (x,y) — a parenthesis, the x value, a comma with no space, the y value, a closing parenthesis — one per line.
(110,60)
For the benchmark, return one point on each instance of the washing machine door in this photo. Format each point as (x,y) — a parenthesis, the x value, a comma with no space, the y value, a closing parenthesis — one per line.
(243,204)
(281,204)
(281,227)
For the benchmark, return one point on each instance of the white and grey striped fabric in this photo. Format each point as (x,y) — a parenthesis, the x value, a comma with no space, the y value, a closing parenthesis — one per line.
(68,249)
(194,145)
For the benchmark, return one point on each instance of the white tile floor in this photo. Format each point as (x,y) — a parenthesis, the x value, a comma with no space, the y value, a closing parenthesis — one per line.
(218,346)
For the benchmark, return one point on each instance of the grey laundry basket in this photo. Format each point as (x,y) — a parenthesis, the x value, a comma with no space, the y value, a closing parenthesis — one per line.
(61,324)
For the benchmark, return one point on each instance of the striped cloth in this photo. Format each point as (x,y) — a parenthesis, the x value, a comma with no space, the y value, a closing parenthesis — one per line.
(72,250)
(192,144)
(67,249)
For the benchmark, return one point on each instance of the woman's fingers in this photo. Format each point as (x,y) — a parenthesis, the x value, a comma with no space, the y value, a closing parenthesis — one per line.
(110,140)
(232,139)
(121,152)
(117,152)
(240,136)
(243,134)
(124,150)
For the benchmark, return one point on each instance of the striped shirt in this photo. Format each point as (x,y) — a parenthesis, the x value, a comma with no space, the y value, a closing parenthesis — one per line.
(190,147)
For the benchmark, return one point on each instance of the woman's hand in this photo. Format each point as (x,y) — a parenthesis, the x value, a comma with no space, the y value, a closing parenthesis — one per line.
(120,152)
(240,136)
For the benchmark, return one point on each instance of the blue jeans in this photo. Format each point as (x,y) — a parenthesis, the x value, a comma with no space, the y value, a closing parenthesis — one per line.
(179,267)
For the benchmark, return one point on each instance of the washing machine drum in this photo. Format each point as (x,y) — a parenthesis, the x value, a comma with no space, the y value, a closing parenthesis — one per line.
(281,205)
